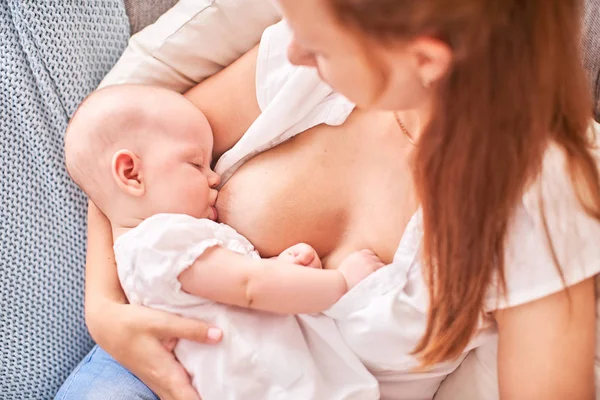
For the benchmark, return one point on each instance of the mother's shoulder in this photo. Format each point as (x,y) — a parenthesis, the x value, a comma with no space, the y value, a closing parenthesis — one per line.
(551,240)
(551,211)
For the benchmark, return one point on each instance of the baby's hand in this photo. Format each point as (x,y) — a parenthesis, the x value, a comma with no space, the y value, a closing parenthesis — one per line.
(358,265)
(301,254)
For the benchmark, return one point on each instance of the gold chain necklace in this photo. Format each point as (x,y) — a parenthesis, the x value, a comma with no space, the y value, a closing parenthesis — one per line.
(404,130)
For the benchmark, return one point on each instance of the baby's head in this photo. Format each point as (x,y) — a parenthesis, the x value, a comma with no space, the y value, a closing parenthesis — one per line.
(140,150)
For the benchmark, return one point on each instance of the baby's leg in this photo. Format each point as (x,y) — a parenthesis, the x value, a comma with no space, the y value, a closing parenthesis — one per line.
(99,376)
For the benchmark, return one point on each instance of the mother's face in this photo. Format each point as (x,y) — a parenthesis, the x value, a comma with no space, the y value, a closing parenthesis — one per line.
(368,72)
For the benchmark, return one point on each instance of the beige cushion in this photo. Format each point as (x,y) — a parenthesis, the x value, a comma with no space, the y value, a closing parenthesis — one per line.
(476,378)
(191,41)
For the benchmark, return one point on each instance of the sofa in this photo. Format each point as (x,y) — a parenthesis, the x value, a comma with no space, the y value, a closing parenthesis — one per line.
(53,54)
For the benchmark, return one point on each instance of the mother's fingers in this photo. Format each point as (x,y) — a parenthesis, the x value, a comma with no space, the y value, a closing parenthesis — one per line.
(169,326)
(141,339)
(165,375)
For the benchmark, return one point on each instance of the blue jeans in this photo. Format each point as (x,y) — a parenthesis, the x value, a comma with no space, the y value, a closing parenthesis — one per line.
(101,377)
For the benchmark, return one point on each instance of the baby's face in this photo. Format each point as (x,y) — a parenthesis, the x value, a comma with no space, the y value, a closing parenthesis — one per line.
(176,167)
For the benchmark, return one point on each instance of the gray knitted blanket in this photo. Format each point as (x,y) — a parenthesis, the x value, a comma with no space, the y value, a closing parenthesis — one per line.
(52,53)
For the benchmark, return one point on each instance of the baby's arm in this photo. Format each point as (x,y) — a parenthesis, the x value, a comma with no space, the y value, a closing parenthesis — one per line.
(272,284)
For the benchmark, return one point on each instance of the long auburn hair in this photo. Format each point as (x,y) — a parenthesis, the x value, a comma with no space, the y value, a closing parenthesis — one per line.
(516,84)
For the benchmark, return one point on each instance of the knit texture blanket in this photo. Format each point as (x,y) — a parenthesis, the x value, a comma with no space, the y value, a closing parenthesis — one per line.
(53,53)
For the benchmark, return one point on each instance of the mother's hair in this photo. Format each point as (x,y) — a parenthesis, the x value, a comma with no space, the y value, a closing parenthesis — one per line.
(515,85)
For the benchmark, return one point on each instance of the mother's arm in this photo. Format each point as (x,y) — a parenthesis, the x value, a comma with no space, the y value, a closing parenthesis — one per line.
(546,347)
(141,339)
(228,99)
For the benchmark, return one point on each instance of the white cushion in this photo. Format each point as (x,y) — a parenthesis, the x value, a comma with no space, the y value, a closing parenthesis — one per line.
(597,358)
(476,378)
(191,41)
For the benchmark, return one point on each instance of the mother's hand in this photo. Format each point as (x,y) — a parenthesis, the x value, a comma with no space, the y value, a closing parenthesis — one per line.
(142,340)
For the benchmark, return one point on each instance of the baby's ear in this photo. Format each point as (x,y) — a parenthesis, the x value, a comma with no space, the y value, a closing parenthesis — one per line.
(127,172)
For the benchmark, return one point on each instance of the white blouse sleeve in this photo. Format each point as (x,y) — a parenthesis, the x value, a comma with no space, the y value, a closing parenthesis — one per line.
(313,101)
(549,222)
(292,99)
(152,256)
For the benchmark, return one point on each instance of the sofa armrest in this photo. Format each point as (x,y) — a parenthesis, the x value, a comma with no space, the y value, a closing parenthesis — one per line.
(591,49)
(142,13)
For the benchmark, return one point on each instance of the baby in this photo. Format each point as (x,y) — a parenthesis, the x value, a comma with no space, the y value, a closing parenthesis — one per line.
(143,155)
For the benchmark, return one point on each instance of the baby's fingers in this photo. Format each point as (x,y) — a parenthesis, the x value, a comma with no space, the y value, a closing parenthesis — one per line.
(377,264)
(301,254)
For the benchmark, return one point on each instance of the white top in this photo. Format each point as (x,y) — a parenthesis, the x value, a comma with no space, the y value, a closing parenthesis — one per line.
(262,356)
(151,257)
(384,316)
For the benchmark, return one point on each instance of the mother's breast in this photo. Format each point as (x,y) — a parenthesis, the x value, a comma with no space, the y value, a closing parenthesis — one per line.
(282,197)
(249,204)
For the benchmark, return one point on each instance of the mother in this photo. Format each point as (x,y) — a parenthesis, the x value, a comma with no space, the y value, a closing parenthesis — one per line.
(488,137)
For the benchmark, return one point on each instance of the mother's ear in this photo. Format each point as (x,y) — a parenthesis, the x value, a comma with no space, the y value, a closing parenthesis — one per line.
(433,58)
(126,170)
